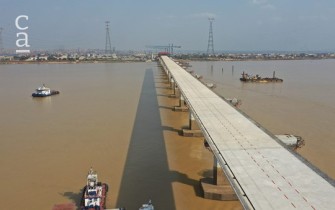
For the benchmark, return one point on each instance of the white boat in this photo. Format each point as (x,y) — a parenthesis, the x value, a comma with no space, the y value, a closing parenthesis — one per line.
(94,193)
(44,91)
(147,206)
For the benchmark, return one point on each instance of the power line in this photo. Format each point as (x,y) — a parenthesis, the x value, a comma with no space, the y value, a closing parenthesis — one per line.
(168,48)
(108,46)
(1,44)
(210,47)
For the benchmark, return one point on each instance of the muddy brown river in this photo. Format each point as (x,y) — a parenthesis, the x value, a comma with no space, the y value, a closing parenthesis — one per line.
(117,118)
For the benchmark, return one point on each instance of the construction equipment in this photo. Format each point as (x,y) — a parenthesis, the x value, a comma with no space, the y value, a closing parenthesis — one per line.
(169,48)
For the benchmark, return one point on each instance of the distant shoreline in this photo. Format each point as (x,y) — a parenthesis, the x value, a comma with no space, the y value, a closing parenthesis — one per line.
(142,61)
(67,62)
(250,59)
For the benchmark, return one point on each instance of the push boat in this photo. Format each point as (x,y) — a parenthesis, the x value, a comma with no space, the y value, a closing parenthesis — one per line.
(44,91)
(147,206)
(94,193)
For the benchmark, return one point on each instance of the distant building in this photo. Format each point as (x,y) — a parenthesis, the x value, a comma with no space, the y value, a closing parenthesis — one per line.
(6,58)
(43,58)
(62,57)
(32,58)
(81,58)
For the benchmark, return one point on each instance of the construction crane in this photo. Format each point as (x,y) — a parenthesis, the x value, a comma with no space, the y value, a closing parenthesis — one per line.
(168,48)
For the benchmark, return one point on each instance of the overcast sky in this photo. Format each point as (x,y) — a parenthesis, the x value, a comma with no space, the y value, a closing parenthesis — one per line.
(240,25)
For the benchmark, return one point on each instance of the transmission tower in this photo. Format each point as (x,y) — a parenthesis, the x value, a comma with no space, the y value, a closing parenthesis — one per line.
(108,46)
(1,44)
(210,47)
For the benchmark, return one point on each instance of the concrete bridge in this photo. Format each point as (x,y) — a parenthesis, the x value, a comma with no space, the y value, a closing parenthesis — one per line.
(262,171)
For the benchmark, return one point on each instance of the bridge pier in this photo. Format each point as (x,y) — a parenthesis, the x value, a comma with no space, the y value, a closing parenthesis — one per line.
(182,104)
(218,187)
(174,88)
(194,129)
(165,69)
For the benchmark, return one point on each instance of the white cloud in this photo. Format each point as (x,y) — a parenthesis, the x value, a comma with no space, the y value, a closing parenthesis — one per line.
(203,15)
(277,19)
(167,17)
(264,4)
(272,20)
(313,18)
(260,22)
(268,6)
(260,1)
(172,16)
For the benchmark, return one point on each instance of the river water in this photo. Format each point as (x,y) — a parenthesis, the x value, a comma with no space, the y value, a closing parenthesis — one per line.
(303,105)
(117,118)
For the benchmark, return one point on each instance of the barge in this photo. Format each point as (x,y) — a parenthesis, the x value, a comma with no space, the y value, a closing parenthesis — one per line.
(248,78)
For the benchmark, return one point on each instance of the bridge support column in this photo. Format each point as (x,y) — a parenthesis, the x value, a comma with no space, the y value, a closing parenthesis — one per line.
(193,124)
(173,87)
(218,187)
(182,104)
(177,91)
(163,67)
(172,84)
(194,129)
(169,76)
(219,177)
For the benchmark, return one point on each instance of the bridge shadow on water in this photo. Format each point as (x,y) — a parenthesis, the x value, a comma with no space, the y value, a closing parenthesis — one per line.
(146,174)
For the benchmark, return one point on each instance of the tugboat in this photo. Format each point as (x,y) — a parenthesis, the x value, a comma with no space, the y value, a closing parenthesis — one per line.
(94,193)
(147,206)
(44,91)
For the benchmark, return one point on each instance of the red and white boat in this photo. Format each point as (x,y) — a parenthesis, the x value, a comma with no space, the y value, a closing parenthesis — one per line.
(94,193)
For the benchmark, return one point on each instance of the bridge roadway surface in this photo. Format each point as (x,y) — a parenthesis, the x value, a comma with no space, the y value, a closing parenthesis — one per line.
(263,173)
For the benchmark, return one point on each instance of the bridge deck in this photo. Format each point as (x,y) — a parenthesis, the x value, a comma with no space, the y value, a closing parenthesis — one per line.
(263,173)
